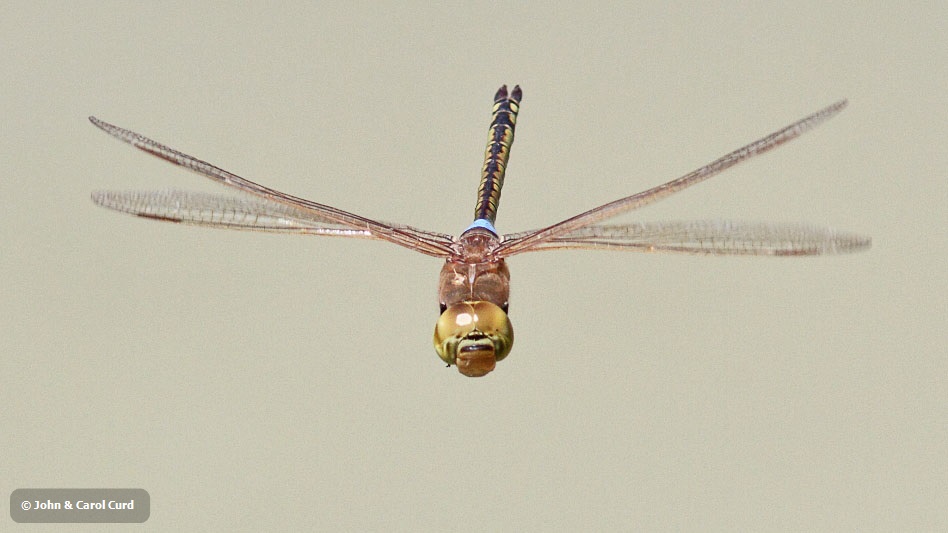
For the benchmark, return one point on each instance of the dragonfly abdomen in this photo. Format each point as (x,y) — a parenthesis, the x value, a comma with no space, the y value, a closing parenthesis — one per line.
(500,138)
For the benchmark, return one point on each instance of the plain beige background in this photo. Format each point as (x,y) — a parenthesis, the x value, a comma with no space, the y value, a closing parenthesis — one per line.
(258,382)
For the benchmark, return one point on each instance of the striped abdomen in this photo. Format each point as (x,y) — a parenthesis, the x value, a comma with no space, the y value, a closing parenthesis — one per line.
(499,139)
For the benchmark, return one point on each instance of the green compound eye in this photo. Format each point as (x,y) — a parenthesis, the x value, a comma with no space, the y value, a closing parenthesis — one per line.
(473,336)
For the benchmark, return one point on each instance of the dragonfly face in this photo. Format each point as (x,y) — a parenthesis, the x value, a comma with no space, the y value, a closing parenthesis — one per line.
(474,336)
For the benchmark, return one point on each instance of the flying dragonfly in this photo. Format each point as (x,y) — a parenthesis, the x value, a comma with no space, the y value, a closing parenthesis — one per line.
(473,331)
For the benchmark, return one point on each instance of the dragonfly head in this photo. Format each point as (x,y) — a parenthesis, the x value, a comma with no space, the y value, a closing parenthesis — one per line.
(473,336)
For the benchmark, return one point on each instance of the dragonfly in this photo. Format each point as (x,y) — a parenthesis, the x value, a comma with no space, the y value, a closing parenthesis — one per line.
(473,331)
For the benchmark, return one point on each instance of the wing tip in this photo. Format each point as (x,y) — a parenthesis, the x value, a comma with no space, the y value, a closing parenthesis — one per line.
(831,110)
(98,197)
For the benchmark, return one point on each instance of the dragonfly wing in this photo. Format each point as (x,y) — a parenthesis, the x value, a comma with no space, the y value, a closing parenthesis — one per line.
(222,211)
(710,237)
(429,243)
(525,241)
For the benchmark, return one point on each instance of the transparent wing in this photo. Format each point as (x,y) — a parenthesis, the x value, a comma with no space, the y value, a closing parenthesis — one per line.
(710,237)
(317,218)
(233,212)
(525,241)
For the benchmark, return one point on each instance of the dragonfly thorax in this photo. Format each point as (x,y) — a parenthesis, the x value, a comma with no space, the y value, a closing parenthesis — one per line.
(465,282)
(476,245)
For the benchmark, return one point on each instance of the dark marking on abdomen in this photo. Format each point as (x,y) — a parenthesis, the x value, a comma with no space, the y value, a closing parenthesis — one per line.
(500,138)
